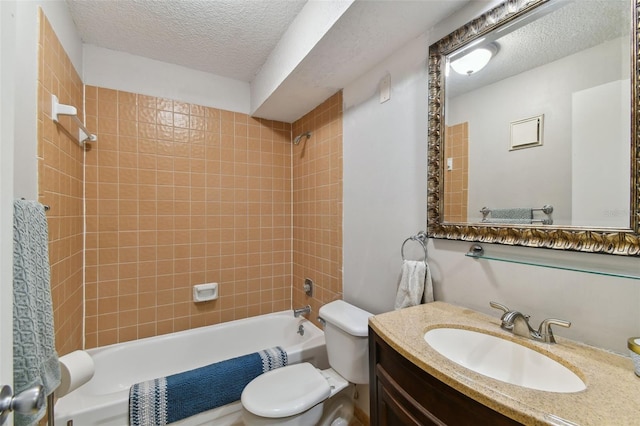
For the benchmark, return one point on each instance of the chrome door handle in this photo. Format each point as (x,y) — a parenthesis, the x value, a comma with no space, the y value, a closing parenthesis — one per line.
(28,401)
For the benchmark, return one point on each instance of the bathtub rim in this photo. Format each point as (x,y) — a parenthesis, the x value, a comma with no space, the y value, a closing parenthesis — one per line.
(196,330)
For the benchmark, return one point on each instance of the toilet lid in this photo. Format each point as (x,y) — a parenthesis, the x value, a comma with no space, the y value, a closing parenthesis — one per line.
(285,391)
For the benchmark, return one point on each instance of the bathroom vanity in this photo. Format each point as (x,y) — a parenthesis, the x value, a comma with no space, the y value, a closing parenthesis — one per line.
(404,394)
(413,384)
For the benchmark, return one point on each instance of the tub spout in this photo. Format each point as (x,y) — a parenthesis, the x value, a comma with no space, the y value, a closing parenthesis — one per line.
(302,311)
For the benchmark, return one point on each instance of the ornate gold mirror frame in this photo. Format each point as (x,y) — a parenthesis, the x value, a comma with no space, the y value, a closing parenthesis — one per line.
(624,242)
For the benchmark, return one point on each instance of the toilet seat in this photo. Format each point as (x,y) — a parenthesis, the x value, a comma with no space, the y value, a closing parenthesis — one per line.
(286,391)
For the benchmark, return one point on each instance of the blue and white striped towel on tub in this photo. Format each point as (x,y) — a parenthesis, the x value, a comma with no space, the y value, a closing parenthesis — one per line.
(169,399)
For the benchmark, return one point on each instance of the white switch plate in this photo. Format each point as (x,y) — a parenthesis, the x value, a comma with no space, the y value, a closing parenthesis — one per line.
(385,88)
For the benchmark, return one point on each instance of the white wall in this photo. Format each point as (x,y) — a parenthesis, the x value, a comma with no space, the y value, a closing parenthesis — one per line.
(7,100)
(131,73)
(384,202)
(385,159)
(25,155)
(600,141)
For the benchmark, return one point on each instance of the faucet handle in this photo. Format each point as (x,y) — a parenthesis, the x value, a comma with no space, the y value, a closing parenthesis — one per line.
(545,331)
(500,306)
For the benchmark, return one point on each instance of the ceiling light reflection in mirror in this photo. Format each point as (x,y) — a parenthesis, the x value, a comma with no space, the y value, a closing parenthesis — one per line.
(475,60)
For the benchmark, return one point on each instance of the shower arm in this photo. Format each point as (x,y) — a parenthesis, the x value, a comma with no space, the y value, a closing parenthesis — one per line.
(298,138)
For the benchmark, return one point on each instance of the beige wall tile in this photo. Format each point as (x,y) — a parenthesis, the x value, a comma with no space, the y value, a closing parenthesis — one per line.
(317,206)
(160,210)
(455,181)
(60,169)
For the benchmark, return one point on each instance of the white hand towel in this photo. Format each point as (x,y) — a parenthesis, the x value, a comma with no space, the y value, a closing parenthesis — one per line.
(428,286)
(411,286)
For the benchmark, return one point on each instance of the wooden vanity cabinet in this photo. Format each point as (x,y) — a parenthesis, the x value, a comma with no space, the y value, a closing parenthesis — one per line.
(404,394)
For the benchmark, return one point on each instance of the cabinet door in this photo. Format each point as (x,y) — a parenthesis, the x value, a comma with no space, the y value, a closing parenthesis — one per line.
(396,407)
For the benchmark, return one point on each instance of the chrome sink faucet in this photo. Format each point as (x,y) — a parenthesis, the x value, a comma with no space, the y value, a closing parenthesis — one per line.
(518,323)
(302,311)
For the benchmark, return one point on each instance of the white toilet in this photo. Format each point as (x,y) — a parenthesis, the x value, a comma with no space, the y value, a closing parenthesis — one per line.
(296,394)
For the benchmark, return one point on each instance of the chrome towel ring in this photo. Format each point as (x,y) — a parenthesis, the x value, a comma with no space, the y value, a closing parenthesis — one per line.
(420,237)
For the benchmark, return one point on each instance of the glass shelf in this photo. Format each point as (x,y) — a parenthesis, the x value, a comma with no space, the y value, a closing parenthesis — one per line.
(608,265)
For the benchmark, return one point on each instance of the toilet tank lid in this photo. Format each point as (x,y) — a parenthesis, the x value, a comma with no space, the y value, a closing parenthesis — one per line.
(347,317)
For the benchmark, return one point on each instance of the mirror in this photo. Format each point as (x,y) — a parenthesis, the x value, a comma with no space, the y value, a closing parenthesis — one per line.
(537,145)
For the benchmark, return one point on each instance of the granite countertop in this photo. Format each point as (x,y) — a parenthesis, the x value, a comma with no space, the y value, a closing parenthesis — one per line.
(612,393)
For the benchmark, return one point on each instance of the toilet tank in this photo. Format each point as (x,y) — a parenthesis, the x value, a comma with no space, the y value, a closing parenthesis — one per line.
(345,334)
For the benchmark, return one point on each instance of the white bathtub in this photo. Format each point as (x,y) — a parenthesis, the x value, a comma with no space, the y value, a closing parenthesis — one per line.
(104,400)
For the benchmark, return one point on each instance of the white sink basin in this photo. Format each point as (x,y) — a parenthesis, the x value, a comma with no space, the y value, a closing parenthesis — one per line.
(503,360)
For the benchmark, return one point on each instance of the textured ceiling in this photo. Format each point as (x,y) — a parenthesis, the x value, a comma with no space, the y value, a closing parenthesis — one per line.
(230,38)
(565,30)
(367,33)
(234,39)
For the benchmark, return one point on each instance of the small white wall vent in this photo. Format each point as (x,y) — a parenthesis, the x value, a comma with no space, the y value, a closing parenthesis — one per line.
(527,132)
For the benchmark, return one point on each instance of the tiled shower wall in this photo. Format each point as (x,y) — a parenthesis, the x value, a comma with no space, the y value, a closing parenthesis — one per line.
(176,195)
(317,205)
(60,170)
(456,180)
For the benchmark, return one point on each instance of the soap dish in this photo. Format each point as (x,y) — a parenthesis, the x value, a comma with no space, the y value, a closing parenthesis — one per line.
(634,349)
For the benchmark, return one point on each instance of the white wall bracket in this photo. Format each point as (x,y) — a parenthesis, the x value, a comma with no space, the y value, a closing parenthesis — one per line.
(61,109)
